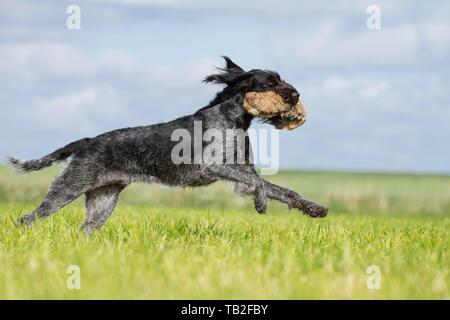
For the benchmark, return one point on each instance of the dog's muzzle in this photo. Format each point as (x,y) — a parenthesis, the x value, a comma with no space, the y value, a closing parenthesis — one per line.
(272,108)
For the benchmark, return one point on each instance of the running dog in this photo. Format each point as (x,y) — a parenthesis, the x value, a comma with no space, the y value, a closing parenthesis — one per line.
(101,167)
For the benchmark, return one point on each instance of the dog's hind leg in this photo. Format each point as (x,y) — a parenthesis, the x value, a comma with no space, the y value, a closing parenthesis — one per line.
(100,203)
(72,183)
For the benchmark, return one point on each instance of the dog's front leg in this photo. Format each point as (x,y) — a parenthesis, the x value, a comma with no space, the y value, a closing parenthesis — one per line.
(289,197)
(295,200)
(250,179)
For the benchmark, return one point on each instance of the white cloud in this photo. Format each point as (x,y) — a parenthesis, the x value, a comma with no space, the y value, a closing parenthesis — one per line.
(14,32)
(374,91)
(331,46)
(335,84)
(39,59)
(182,74)
(346,87)
(270,7)
(32,58)
(436,34)
(122,62)
(85,109)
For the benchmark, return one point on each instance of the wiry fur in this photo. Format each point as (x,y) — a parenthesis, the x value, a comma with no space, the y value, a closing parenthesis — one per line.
(101,167)
(26,166)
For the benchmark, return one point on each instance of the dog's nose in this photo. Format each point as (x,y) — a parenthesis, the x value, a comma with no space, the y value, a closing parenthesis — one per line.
(294,97)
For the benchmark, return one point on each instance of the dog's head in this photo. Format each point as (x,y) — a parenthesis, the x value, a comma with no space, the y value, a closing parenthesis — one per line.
(266,95)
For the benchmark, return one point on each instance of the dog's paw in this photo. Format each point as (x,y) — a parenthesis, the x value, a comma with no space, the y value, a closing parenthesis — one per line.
(260,200)
(308,207)
(261,207)
(26,220)
(317,212)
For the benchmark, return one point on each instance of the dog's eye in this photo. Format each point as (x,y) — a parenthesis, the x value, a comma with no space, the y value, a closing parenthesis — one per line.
(272,81)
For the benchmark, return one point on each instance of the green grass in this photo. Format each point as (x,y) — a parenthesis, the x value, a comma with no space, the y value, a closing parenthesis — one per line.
(210,244)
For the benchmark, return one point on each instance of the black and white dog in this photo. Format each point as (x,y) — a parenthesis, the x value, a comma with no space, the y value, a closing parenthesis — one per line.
(103,166)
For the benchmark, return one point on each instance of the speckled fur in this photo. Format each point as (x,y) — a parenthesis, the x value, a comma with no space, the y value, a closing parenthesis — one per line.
(101,167)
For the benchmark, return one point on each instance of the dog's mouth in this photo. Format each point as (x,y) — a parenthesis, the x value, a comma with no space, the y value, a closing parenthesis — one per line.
(286,121)
(271,108)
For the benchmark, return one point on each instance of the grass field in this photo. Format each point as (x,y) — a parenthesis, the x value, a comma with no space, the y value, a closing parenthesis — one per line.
(210,244)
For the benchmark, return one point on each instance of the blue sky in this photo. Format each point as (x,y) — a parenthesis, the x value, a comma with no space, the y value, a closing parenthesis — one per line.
(378,99)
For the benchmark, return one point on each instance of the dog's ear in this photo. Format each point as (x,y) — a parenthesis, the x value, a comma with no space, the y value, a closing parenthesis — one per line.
(231,66)
(230,73)
(225,78)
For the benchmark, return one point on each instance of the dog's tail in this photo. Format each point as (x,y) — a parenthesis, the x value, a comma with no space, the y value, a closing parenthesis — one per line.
(26,166)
